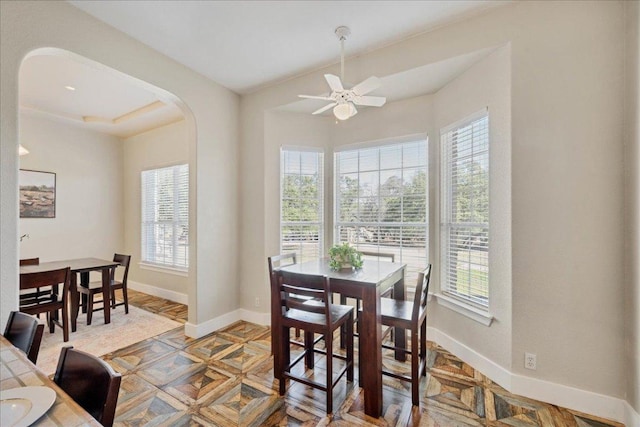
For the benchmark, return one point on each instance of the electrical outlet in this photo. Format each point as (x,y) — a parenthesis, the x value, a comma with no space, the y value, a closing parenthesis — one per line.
(530,361)
(257,302)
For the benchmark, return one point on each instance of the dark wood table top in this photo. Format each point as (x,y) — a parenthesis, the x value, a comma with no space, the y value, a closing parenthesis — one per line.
(372,273)
(77,265)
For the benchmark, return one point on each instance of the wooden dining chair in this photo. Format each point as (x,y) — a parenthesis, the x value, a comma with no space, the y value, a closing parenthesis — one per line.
(322,318)
(410,315)
(284,260)
(386,293)
(50,300)
(25,333)
(90,381)
(94,288)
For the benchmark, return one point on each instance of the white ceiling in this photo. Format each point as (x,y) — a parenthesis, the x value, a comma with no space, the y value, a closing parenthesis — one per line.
(243,45)
(246,45)
(102,101)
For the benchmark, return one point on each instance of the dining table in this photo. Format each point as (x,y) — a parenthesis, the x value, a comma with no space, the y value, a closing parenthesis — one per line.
(367,284)
(17,371)
(82,266)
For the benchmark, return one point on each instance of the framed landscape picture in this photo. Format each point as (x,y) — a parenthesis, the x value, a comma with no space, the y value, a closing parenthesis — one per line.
(37,194)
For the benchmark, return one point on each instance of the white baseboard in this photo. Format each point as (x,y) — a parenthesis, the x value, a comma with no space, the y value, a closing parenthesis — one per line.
(159,292)
(557,394)
(255,317)
(631,417)
(201,329)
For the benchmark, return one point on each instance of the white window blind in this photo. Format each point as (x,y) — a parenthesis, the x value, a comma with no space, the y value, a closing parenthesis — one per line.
(465,210)
(381,201)
(302,203)
(165,216)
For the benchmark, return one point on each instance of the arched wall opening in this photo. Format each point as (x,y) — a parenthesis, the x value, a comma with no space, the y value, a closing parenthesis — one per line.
(98,167)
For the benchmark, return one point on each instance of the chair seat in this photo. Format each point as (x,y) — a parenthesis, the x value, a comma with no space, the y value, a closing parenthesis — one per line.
(398,310)
(339,313)
(97,286)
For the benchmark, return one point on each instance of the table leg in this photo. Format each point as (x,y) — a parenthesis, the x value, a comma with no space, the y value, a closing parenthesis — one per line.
(400,334)
(371,344)
(106,293)
(75,301)
(84,282)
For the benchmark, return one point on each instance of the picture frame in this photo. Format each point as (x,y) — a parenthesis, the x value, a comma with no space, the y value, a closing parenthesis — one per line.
(37,194)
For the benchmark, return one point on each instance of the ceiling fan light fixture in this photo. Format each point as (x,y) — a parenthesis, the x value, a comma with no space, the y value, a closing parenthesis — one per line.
(22,151)
(344,111)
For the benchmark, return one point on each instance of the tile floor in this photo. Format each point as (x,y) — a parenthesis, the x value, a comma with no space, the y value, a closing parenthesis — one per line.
(226,379)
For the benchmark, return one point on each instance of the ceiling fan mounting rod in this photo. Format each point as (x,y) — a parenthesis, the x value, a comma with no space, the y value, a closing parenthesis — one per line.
(342,33)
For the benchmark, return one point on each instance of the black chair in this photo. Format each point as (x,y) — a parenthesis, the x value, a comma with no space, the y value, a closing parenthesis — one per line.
(96,288)
(90,381)
(50,300)
(411,315)
(321,318)
(25,333)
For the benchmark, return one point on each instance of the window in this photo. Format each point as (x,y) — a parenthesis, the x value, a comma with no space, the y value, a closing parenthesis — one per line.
(165,217)
(465,210)
(381,201)
(302,203)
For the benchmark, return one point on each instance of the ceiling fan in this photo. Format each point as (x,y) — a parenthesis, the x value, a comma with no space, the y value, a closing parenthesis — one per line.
(343,101)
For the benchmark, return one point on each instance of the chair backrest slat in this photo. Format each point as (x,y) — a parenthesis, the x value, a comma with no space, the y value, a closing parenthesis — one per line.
(422,292)
(292,284)
(379,255)
(30,261)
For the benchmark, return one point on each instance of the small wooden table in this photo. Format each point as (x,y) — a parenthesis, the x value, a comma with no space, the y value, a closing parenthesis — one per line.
(367,284)
(82,266)
(18,371)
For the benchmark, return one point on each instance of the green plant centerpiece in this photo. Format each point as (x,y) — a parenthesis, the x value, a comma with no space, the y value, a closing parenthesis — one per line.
(344,256)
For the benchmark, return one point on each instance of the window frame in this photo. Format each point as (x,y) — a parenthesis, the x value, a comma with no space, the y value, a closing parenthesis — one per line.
(173,267)
(321,224)
(380,145)
(470,306)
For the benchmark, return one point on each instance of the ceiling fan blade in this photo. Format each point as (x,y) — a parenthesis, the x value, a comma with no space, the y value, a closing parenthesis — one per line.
(324,98)
(354,111)
(325,108)
(363,88)
(371,101)
(334,82)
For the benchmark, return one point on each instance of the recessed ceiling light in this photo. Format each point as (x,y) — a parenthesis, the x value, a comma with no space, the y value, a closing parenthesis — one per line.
(71,88)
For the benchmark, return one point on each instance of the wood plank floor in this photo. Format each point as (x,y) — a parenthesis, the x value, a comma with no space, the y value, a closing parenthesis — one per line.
(226,379)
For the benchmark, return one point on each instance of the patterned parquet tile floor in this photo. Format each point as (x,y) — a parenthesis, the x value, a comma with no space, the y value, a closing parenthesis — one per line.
(226,379)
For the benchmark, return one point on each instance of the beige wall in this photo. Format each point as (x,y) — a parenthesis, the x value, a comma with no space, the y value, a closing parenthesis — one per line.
(88,168)
(212,125)
(164,146)
(632,208)
(486,85)
(566,162)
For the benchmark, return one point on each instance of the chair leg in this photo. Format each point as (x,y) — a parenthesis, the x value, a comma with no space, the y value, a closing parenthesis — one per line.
(52,325)
(89,308)
(113,299)
(65,321)
(126,300)
(343,330)
(423,347)
(285,357)
(329,346)
(415,376)
(309,359)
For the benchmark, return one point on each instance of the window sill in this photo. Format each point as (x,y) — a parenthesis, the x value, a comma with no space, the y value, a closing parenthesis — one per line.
(163,269)
(471,312)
